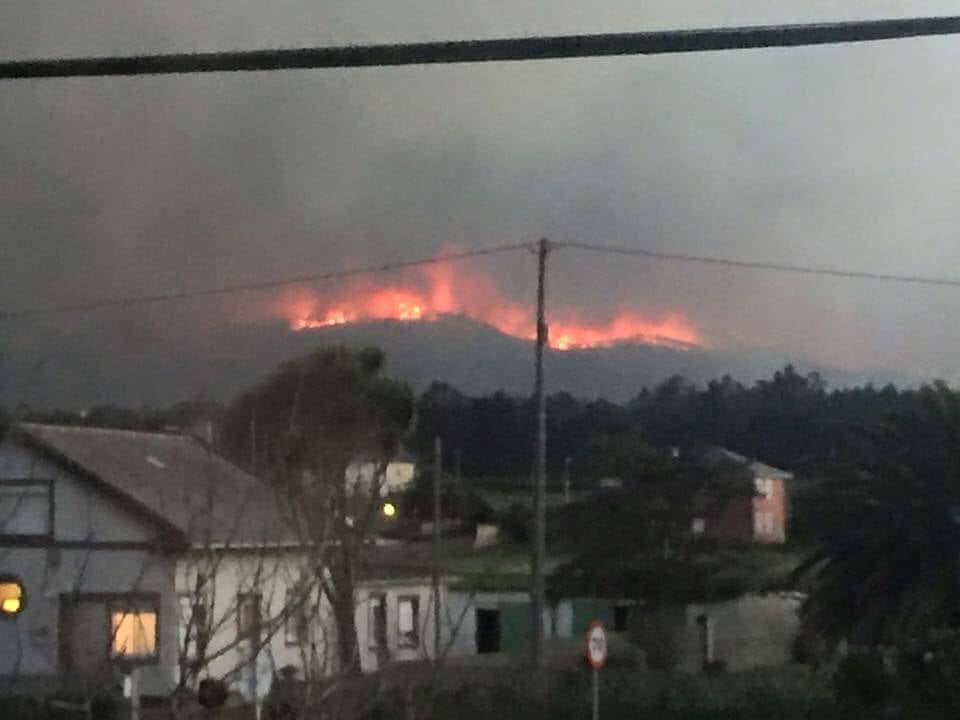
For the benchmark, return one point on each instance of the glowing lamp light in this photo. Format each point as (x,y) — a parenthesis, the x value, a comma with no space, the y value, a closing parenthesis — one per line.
(11,598)
(389,510)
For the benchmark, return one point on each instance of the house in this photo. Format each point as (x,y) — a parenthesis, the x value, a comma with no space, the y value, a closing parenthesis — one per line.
(398,474)
(151,551)
(760,516)
(500,622)
(742,633)
(394,613)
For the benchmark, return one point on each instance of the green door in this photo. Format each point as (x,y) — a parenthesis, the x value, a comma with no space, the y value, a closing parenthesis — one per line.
(514,625)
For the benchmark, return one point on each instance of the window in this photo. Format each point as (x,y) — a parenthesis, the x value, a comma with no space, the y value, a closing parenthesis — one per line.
(378,620)
(764,487)
(699,526)
(408,621)
(25,508)
(248,616)
(763,523)
(194,624)
(133,632)
(297,608)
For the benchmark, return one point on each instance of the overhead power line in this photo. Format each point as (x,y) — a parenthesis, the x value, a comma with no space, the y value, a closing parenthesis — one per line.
(494,50)
(757,265)
(134,300)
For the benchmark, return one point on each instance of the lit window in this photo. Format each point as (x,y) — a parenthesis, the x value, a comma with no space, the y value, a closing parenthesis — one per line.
(11,597)
(699,526)
(133,633)
(408,621)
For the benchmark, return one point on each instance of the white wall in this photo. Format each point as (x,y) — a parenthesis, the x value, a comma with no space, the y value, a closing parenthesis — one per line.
(748,632)
(273,575)
(393,590)
(46,577)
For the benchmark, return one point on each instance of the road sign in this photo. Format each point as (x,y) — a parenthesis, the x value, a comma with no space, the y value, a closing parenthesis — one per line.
(596,641)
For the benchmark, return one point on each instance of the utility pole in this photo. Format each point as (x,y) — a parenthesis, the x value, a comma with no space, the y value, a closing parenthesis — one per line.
(437,477)
(539,549)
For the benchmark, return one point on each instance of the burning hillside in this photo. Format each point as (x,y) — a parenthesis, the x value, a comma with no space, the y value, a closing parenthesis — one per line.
(440,291)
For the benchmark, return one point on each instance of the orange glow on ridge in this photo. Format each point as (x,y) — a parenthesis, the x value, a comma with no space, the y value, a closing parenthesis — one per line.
(445,290)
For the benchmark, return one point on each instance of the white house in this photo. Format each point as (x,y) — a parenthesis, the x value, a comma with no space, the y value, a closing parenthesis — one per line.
(398,474)
(394,618)
(150,550)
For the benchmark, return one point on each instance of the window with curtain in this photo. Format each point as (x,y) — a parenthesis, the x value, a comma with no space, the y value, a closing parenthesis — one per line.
(133,631)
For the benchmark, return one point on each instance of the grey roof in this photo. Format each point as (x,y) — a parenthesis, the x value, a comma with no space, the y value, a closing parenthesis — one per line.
(175,480)
(500,502)
(402,561)
(759,469)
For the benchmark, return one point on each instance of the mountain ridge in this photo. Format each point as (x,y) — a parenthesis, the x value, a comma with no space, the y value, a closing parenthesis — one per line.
(464,353)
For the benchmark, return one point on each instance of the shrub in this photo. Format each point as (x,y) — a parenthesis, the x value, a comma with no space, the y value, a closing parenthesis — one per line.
(211,693)
(17,707)
(862,681)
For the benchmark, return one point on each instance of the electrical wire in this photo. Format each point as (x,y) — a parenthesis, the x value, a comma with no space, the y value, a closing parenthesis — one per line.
(757,265)
(134,300)
(493,50)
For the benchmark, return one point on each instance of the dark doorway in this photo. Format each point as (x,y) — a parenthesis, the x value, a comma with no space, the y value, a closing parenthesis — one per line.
(488,631)
(621,617)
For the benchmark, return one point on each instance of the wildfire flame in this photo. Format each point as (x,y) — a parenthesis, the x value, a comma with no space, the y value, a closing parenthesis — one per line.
(437,292)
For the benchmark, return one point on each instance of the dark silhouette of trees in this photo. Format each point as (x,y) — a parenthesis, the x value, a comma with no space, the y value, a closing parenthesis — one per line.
(889,567)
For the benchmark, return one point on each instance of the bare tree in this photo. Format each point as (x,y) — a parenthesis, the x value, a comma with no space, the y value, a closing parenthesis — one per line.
(312,418)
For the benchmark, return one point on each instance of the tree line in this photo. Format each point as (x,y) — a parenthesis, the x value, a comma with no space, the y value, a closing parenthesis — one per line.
(790,420)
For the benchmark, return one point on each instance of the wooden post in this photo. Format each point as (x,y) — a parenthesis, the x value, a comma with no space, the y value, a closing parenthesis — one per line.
(539,549)
(437,479)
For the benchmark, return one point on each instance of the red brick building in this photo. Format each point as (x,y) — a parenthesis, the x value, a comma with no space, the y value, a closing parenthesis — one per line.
(760,517)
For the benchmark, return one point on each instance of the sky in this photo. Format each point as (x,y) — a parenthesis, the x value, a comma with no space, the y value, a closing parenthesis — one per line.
(842,156)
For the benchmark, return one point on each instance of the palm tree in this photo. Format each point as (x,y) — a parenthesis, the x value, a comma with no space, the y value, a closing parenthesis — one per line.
(888,571)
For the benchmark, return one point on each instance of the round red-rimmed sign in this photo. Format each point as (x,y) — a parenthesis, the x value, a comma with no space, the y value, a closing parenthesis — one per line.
(596,645)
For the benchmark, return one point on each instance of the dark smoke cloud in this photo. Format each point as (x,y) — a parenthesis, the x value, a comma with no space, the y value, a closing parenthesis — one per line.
(829,156)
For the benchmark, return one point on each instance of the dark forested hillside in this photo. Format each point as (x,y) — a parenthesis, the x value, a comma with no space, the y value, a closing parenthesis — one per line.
(790,420)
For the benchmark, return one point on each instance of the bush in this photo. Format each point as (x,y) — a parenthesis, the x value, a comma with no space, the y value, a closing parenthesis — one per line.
(862,681)
(658,640)
(212,693)
(104,707)
(515,524)
(17,707)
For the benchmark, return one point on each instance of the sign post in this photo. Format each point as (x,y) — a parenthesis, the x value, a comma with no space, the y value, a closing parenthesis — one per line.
(596,650)
(131,689)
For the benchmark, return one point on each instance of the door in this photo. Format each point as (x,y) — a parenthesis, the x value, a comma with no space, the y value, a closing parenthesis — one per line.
(488,631)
